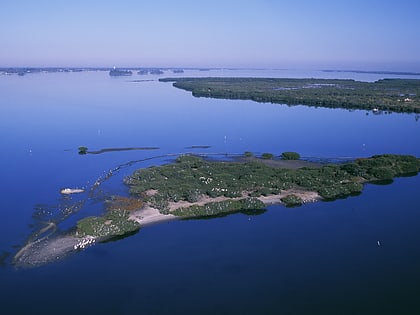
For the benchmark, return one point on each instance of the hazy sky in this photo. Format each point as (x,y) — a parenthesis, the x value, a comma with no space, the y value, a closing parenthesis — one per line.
(363,34)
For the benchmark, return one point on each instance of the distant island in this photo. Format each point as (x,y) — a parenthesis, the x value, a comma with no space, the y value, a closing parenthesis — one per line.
(394,95)
(119,72)
(376,72)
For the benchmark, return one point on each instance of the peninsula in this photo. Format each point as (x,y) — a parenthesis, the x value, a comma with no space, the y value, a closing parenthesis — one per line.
(394,95)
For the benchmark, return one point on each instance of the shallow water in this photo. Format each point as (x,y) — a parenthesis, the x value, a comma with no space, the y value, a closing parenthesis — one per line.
(321,257)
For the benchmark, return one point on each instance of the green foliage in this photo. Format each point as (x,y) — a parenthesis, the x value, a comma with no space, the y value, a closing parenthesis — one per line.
(113,223)
(83,150)
(387,166)
(331,192)
(292,200)
(290,156)
(248,154)
(267,156)
(397,95)
(217,208)
(191,178)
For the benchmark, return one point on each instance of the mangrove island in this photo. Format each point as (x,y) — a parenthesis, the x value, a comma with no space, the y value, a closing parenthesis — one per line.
(394,95)
(196,187)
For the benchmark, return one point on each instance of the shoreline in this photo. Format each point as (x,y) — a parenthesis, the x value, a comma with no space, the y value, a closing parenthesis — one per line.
(53,248)
(148,215)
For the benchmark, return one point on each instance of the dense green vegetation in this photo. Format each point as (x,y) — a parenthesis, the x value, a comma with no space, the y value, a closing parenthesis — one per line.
(290,156)
(397,95)
(83,150)
(113,223)
(292,200)
(191,177)
(220,207)
(267,156)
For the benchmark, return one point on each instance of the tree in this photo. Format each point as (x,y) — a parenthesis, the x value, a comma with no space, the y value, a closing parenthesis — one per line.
(290,156)
(267,156)
(83,150)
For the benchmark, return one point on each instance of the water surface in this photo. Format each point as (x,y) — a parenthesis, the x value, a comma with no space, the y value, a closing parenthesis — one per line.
(319,258)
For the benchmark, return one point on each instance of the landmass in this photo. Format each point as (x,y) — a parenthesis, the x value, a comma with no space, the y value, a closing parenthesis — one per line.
(120,72)
(194,187)
(393,95)
(85,150)
(69,191)
(376,72)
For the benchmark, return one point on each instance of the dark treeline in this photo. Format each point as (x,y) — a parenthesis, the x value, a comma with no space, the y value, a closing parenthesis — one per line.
(395,95)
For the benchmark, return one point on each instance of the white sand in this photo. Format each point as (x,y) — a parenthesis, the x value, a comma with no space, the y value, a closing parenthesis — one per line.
(149,215)
(68,191)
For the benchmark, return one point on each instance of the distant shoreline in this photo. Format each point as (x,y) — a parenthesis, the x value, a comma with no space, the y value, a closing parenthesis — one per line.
(375,72)
(382,96)
(22,70)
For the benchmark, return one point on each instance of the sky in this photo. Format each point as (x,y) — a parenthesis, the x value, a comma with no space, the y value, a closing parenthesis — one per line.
(323,34)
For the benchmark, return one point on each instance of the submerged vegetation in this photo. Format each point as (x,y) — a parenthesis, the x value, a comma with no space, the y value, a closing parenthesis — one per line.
(191,178)
(396,95)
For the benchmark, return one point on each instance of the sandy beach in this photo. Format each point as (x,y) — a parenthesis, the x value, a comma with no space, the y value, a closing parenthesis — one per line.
(149,215)
(50,249)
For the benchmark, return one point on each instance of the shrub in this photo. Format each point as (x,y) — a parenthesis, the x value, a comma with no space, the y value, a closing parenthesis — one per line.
(382,173)
(83,150)
(290,156)
(221,207)
(292,200)
(113,223)
(267,156)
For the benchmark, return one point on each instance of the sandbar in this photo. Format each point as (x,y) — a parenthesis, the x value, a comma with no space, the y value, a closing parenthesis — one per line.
(69,191)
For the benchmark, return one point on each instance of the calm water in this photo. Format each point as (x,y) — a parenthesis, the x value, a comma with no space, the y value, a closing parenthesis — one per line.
(320,258)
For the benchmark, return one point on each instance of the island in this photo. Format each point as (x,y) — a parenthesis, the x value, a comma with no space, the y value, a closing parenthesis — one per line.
(120,72)
(156,71)
(196,187)
(393,95)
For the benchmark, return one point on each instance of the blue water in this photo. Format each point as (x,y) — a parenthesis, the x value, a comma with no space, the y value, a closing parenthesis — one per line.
(320,258)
